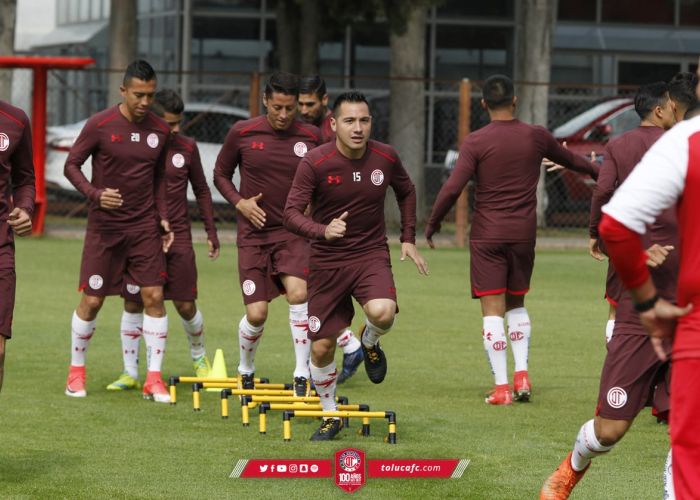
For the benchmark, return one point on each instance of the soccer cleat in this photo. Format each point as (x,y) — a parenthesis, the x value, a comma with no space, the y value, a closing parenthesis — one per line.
(500,395)
(375,361)
(330,427)
(559,485)
(350,364)
(155,389)
(522,390)
(246,381)
(125,382)
(301,387)
(202,368)
(75,385)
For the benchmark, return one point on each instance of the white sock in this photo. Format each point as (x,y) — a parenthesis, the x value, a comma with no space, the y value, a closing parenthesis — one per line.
(609,328)
(496,345)
(299,325)
(348,342)
(669,492)
(519,332)
(81,333)
(371,335)
(131,330)
(155,333)
(194,328)
(586,447)
(248,336)
(324,381)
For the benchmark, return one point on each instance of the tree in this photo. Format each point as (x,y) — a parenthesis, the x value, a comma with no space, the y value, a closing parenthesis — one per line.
(533,61)
(8,14)
(123,30)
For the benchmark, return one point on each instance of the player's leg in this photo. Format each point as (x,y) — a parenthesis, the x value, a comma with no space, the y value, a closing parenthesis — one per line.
(352,354)
(298,324)
(130,332)
(7,305)
(685,404)
(82,329)
(193,324)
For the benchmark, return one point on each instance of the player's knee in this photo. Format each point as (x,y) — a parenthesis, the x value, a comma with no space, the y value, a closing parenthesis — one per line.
(609,434)
(382,314)
(322,352)
(152,296)
(256,315)
(296,296)
(133,307)
(186,310)
(90,306)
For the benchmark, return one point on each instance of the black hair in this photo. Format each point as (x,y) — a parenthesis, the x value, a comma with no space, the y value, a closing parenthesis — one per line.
(681,88)
(692,111)
(139,69)
(351,96)
(282,83)
(167,101)
(649,96)
(498,91)
(312,85)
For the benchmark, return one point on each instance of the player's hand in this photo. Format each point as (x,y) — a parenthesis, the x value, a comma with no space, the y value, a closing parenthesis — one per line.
(409,250)
(167,235)
(251,211)
(430,230)
(656,254)
(213,250)
(337,227)
(110,199)
(551,166)
(594,249)
(20,222)
(660,323)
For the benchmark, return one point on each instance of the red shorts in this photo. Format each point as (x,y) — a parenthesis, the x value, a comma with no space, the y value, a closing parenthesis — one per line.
(613,286)
(633,377)
(7,300)
(497,268)
(260,267)
(109,258)
(331,292)
(181,282)
(685,438)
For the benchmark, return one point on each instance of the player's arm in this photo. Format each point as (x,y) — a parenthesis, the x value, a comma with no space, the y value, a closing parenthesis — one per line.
(206,207)
(450,191)
(227,161)
(562,156)
(654,185)
(602,192)
(23,190)
(405,192)
(160,196)
(85,145)
(298,199)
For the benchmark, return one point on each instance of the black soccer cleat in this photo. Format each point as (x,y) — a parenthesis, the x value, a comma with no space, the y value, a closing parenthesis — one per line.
(375,363)
(330,427)
(301,386)
(248,381)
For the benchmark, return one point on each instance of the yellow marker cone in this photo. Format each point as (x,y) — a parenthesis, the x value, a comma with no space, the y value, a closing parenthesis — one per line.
(218,369)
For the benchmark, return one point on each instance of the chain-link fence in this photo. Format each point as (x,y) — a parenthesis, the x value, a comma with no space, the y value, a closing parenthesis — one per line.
(584,116)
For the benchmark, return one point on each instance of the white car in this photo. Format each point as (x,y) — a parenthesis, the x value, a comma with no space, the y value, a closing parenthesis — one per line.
(207,123)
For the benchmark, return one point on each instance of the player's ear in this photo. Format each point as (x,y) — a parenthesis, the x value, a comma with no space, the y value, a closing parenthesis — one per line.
(265,99)
(333,123)
(324,100)
(515,101)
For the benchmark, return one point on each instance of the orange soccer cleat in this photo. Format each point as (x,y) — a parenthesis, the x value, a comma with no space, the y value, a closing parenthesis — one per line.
(500,395)
(75,385)
(522,390)
(559,485)
(155,389)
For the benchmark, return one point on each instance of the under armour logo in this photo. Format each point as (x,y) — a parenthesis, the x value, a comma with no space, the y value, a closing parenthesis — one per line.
(257,145)
(116,138)
(334,179)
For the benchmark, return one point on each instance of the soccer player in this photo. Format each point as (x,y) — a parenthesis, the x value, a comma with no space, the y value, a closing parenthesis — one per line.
(313,106)
(128,228)
(271,260)
(633,376)
(505,158)
(182,167)
(16,207)
(313,109)
(656,112)
(681,88)
(667,175)
(345,182)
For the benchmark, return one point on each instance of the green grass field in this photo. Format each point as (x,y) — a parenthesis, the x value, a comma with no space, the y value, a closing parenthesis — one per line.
(116,445)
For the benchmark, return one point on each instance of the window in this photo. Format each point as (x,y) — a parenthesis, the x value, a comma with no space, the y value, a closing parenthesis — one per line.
(638,73)
(460,8)
(633,11)
(690,12)
(576,10)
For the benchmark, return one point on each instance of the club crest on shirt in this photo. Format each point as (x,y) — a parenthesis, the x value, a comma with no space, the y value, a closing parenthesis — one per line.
(300,149)
(4,141)
(314,324)
(95,281)
(248,287)
(133,289)
(152,140)
(178,160)
(377,177)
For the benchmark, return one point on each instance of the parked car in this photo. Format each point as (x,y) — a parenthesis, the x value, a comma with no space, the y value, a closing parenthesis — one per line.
(207,123)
